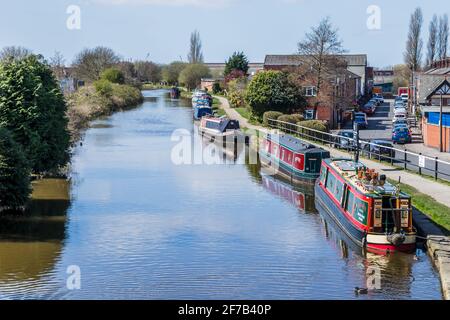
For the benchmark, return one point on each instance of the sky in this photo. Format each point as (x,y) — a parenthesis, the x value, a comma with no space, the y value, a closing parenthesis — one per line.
(159,30)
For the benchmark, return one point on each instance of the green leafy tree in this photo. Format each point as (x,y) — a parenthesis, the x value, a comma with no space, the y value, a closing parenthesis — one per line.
(238,61)
(14,172)
(171,72)
(191,75)
(273,91)
(33,109)
(113,75)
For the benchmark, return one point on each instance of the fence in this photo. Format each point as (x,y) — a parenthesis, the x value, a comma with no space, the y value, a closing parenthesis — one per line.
(399,158)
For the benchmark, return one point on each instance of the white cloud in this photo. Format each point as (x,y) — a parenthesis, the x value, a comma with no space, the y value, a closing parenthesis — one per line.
(198,3)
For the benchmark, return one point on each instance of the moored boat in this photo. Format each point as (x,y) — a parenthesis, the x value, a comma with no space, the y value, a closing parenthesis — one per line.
(375,214)
(175,93)
(292,158)
(200,112)
(222,127)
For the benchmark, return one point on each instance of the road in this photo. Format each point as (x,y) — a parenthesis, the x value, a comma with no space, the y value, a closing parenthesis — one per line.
(380,127)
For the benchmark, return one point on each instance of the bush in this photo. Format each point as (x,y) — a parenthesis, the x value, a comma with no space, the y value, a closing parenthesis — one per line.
(104,87)
(314,124)
(273,90)
(113,75)
(273,115)
(236,99)
(124,96)
(216,88)
(14,172)
(192,75)
(298,117)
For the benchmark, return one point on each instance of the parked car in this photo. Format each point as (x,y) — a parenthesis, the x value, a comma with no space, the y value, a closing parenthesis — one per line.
(400,116)
(405,97)
(398,111)
(379,97)
(401,123)
(344,140)
(369,108)
(375,101)
(381,149)
(401,134)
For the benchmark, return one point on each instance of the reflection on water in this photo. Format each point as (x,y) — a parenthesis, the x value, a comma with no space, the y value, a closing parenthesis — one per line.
(142,227)
(31,244)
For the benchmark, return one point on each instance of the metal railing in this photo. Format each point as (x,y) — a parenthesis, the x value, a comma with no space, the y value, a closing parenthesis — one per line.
(398,158)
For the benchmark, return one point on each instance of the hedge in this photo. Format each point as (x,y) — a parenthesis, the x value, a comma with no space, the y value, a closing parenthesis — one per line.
(273,115)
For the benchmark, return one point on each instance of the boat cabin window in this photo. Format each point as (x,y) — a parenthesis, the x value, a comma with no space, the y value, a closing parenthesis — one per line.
(233,125)
(323,175)
(336,187)
(350,202)
(212,125)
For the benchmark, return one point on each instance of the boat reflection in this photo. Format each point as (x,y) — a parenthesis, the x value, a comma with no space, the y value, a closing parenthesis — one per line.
(31,243)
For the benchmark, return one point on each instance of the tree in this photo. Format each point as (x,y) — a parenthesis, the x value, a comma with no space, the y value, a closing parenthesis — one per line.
(432,40)
(14,53)
(191,75)
(147,71)
(273,91)
(89,63)
(57,62)
(113,75)
(195,54)
(33,109)
(443,37)
(14,172)
(402,74)
(414,44)
(171,72)
(319,44)
(238,61)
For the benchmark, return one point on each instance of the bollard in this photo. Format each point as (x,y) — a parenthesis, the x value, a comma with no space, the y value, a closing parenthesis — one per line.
(406,159)
(436,168)
(420,168)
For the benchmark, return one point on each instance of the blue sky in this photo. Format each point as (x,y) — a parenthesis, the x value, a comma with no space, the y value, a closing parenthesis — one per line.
(161,28)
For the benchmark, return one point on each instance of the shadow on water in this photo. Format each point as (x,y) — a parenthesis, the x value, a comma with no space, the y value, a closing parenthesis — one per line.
(31,243)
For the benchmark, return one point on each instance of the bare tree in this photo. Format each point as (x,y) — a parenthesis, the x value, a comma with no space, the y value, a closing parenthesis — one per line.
(195,54)
(432,46)
(89,63)
(57,62)
(320,44)
(14,53)
(443,37)
(414,44)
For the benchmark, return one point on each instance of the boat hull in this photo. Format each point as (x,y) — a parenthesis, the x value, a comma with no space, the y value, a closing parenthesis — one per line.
(286,171)
(375,243)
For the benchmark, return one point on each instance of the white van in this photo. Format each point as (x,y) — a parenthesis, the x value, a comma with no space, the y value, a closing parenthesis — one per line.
(400,116)
(400,111)
(405,97)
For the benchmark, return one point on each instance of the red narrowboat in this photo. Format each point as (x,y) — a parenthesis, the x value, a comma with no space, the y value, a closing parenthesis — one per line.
(291,157)
(372,212)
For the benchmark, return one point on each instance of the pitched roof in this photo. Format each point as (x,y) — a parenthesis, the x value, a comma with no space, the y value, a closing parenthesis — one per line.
(428,84)
(297,59)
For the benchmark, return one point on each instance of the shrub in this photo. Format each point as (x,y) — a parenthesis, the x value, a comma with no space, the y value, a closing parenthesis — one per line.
(314,124)
(273,115)
(216,88)
(104,87)
(298,117)
(236,99)
(14,172)
(124,96)
(192,75)
(113,75)
(273,90)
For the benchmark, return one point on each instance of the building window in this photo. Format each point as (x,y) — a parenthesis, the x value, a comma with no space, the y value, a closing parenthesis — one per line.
(310,91)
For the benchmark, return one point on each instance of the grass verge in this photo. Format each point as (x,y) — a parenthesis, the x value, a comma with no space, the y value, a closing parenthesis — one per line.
(437,212)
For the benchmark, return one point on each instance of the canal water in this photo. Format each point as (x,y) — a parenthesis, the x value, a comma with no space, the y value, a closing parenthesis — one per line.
(135,225)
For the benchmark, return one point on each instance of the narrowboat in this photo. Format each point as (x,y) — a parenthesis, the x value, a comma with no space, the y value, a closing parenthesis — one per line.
(301,198)
(375,214)
(291,157)
(175,93)
(200,112)
(213,127)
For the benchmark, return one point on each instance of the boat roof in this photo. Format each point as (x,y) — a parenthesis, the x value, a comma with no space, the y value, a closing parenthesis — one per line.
(295,144)
(347,169)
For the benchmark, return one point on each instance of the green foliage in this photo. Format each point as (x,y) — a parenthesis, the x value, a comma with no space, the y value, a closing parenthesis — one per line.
(104,87)
(124,96)
(273,115)
(273,90)
(288,118)
(314,124)
(216,88)
(113,75)
(236,99)
(238,61)
(14,172)
(298,117)
(90,63)
(171,72)
(147,71)
(33,109)
(192,74)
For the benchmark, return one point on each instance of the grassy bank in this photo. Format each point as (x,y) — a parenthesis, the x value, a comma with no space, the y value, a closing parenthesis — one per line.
(87,104)
(438,212)
(154,86)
